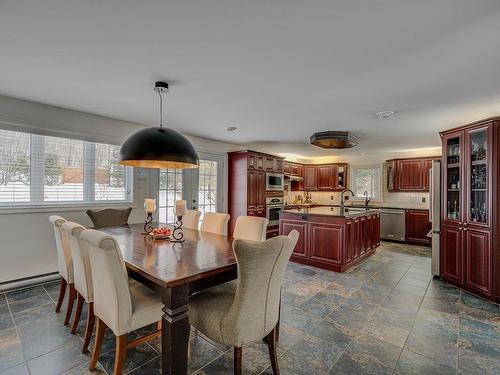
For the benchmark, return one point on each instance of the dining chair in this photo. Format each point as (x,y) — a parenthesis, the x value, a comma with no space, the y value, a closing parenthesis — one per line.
(65,265)
(215,222)
(251,228)
(191,219)
(118,306)
(247,309)
(83,280)
(109,216)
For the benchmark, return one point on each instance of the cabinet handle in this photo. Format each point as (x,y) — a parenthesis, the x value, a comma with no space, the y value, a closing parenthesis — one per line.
(460,228)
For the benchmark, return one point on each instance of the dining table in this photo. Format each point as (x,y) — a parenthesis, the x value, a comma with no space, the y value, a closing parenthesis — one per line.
(175,271)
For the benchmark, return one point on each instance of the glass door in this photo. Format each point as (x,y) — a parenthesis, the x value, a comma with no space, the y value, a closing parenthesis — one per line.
(478,156)
(453,177)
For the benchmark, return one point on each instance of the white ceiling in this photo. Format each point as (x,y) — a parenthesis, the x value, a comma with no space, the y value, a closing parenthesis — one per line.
(279,70)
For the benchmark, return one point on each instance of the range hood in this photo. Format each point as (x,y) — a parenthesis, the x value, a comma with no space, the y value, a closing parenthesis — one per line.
(334,139)
(293,178)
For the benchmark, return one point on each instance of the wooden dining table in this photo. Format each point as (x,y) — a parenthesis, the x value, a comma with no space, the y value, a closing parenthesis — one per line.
(175,271)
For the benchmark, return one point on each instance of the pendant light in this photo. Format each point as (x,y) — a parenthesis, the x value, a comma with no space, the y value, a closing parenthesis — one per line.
(159,147)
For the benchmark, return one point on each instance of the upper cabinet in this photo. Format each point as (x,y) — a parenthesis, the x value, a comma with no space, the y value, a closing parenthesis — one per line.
(409,174)
(322,177)
(310,177)
(264,162)
(325,177)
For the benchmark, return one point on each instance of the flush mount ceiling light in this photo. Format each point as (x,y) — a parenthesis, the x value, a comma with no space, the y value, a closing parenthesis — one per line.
(384,115)
(159,147)
(334,139)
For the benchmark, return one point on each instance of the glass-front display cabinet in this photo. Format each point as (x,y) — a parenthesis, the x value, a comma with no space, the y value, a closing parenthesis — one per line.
(453,177)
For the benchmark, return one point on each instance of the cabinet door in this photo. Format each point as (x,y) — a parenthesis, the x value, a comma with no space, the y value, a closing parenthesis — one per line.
(286,226)
(287,168)
(392,177)
(451,252)
(252,161)
(310,173)
(478,260)
(453,178)
(350,238)
(363,235)
(324,177)
(326,242)
(279,165)
(261,189)
(252,187)
(259,164)
(269,164)
(340,183)
(418,226)
(426,167)
(410,175)
(295,170)
(358,239)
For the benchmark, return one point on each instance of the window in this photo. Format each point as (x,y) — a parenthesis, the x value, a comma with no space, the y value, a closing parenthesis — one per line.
(367,178)
(207,191)
(170,191)
(36,169)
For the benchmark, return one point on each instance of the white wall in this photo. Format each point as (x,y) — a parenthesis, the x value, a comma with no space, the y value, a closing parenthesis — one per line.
(26,238)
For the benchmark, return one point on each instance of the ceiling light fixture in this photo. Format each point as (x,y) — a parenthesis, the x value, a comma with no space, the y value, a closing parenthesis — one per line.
(159,146)
(231,129)
(334,139)
(384,115)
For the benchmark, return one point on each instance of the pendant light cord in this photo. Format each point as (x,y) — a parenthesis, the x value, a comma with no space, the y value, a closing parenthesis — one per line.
(161,108)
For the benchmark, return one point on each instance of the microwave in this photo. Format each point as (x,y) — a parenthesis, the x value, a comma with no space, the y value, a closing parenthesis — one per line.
(275,181)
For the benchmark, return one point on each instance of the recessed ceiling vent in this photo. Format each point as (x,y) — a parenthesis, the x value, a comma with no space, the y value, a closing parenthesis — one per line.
(334,139)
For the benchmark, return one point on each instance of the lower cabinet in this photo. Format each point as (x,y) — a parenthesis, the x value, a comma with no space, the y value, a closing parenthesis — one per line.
(417,227)
(451,253)
(301,227)
(326,242)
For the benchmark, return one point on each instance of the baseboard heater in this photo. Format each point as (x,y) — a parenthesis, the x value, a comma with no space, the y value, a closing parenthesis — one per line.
(28,281)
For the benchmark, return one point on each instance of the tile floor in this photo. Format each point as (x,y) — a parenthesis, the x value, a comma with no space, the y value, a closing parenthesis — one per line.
(387,316)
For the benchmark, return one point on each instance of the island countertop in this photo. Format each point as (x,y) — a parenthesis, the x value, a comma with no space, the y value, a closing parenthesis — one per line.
(330,211)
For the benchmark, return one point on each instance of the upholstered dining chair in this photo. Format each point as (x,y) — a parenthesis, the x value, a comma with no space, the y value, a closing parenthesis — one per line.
(83,280)
(247,309)
(251,228)
(65,265)
(109,216)
(191,219)
(118,306)
(215,222)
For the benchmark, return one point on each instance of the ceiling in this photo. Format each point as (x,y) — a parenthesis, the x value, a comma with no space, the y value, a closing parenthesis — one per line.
(278,70)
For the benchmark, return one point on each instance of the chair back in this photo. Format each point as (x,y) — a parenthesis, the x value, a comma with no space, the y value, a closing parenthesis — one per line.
(191,219)
(261,268)
(215,222)
(81,261)
(112,302)
(64,260)
(109,217)
(251,228)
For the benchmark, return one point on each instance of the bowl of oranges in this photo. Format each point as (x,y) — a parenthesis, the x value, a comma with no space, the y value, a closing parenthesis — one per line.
(162,233)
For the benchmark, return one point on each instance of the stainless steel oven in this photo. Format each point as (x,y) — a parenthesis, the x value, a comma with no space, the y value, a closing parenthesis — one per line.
(275,181)
(274,205)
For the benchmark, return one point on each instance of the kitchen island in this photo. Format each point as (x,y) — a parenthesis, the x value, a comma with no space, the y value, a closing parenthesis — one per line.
(331,237)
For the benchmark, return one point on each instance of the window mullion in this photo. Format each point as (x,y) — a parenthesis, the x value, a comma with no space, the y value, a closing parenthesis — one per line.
(37,153)
(89,172)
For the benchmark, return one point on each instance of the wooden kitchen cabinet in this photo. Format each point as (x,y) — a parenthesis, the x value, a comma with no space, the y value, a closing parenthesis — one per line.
(301,227)
(470,218)
(417,227)
(411,175)
(325,177)
(321,177)
(256,192)
(310,177)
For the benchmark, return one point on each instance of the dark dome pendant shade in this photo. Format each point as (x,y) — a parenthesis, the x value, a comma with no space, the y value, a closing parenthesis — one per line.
(159,147)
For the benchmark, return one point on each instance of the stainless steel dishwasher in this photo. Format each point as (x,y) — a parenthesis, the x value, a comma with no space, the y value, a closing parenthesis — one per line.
(392,224)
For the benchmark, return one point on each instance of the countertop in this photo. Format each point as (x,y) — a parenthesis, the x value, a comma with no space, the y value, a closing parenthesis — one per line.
(371,206)
(334,211)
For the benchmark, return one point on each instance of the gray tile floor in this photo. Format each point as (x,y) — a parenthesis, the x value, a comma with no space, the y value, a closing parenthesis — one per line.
(387,316)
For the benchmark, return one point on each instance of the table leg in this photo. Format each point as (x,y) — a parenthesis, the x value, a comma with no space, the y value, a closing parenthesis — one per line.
(175,330)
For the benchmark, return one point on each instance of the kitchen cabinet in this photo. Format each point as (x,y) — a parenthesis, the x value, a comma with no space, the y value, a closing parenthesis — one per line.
(321,177)
(325,177)
(409,174)
(256,192)
(310,177)
(332,242)
(470,255)
(417,227)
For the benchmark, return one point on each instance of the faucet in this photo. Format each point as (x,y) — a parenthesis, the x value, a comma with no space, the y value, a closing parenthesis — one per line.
(367,200)
(342,197)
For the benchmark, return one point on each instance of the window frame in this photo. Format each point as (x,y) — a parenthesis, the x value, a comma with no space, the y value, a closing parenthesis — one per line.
(37,202)
(352,185)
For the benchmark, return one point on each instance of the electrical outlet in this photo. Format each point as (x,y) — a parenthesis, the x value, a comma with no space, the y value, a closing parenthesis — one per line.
(331,197)
(424,199)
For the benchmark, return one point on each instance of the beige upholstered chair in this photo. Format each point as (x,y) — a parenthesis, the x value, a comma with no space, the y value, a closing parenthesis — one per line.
(109,217)
(251,228)
(83,279)
(247,309)
(191,219)
(116,305)
(215,222)
(65,264)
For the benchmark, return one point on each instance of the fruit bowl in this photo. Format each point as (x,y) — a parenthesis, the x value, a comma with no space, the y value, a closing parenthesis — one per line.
(161,233)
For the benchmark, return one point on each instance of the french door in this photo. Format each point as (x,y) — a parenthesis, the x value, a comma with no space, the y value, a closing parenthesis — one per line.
(202,188)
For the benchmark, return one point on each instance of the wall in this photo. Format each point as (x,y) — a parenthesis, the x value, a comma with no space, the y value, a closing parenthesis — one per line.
(27,245)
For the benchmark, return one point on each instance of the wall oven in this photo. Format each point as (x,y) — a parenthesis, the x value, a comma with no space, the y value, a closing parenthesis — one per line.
(275,181)
(274,205)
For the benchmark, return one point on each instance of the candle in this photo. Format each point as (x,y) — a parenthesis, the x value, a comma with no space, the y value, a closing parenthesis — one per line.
(150,205)
(180,208)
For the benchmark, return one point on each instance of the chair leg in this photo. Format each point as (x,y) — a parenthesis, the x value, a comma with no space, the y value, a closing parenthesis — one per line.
(237,361)
(78,312)
(271,344)
(96,351)
(71,302)
(89,328)
(120,354)
(62,292)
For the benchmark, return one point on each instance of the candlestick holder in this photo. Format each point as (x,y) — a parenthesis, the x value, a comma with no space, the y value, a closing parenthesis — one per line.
(148,227)
(177,234)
